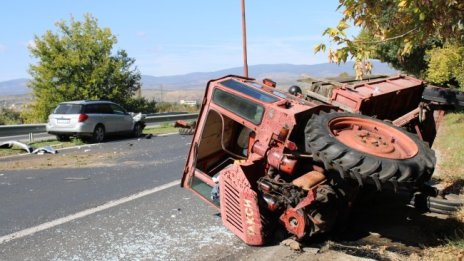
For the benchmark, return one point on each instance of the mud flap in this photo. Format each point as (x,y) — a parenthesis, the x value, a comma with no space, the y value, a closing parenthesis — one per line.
(239,205)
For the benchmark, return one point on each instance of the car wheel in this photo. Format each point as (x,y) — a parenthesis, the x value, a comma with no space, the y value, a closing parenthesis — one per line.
(99,134)
(137,132)
(62,137)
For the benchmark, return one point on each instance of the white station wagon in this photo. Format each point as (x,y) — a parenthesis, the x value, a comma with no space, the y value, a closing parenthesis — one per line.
(92,120)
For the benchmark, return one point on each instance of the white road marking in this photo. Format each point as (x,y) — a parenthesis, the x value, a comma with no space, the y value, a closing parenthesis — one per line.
(167,134)
(84,213)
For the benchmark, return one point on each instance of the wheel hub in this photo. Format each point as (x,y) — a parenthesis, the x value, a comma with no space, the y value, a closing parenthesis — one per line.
(373,137)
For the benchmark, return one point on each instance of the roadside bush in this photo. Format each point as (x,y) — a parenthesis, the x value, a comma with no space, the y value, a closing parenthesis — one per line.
(140,105)
(9,117)
(176,107)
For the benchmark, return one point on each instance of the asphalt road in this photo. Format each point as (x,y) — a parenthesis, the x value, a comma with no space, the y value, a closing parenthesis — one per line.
(169,224)
(85,204)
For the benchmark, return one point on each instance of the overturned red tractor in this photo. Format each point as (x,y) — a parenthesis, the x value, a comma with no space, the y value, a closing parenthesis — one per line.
(267,159)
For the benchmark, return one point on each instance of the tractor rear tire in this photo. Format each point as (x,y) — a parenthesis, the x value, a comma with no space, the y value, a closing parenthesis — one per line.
(368,150)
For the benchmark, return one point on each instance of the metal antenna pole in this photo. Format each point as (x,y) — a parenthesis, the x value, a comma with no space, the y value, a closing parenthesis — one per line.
(245,63)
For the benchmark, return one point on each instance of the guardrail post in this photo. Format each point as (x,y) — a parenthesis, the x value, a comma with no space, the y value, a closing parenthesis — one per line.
(31,137)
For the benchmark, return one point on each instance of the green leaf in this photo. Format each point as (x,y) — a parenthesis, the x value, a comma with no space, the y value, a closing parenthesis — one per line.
(422,16)
(342,25)
(319,47)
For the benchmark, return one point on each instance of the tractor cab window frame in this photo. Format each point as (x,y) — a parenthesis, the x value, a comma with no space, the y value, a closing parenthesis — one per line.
(248,109)
(249,91)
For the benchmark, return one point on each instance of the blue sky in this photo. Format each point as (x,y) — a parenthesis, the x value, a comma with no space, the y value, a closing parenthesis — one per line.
(177,37)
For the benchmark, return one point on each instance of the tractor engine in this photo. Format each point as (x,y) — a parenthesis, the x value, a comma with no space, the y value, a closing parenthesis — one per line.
(306,206)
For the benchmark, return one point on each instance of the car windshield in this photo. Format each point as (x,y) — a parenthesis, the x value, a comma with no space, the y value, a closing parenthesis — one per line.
(68,108)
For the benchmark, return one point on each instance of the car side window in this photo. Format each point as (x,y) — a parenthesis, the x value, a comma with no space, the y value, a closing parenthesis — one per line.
(104,108)
(117,109)
(91,109)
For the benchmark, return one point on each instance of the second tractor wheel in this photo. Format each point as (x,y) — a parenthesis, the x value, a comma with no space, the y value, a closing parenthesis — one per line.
(368,150)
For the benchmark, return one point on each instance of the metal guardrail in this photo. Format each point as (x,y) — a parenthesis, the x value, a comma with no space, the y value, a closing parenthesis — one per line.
(10,130)
(170,118)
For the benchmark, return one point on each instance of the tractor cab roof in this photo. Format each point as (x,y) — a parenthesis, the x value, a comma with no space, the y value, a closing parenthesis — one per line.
(262,93)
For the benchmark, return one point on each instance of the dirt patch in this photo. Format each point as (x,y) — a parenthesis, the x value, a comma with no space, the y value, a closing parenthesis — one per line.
(77,159)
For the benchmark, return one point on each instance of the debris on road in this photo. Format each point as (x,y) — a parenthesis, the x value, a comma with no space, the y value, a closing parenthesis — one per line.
(185,128)
(28,148)
(292,244)
(45,149)
(11,143)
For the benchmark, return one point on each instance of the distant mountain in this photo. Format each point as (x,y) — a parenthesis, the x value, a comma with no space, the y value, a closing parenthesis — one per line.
(281,73)
(278,72)
(14,87)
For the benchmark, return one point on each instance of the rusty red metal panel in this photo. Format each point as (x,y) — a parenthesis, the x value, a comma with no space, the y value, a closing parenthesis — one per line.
(239,206)
(387,98)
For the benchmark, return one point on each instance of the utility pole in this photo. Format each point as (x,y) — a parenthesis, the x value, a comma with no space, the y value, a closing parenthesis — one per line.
(245,62)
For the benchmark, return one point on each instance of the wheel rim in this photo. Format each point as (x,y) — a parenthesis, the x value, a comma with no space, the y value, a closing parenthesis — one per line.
(99,134)
(373,137)
(138,130)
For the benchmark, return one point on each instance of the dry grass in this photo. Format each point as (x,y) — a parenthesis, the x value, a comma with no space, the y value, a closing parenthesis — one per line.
(453,250)
(174,96)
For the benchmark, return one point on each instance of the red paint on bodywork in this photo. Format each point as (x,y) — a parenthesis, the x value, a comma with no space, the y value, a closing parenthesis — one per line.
(239,205)
(386,99)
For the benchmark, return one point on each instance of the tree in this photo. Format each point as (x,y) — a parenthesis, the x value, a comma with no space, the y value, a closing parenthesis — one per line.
(401,26)
(77,63)
(446,65)
(414,63)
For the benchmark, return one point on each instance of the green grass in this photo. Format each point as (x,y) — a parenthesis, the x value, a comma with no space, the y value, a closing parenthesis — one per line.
(449,145)
(162,129)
